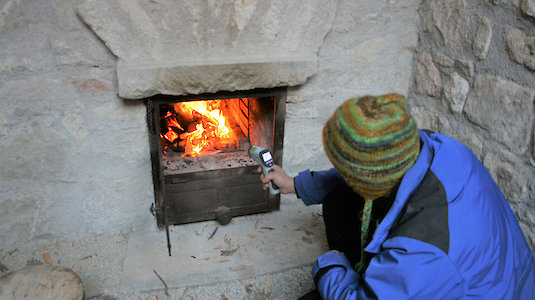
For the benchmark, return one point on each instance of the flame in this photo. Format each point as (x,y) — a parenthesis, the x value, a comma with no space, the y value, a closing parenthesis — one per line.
(212,130)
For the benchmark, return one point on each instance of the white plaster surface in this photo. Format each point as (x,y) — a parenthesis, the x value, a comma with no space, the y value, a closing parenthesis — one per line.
(249,246)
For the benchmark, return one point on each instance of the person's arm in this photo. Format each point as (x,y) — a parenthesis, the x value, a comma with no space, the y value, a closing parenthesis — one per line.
(404,269)
(312,187)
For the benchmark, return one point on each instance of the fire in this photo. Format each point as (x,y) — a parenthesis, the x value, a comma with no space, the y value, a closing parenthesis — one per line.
(171,122)
(207,128)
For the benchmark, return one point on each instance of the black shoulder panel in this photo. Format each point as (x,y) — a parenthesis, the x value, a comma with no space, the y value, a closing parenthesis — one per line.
(425,214)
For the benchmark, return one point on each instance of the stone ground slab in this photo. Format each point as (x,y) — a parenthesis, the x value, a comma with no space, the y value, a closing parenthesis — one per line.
(207,253)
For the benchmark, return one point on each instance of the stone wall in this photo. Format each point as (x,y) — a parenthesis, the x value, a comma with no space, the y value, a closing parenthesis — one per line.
(474,79)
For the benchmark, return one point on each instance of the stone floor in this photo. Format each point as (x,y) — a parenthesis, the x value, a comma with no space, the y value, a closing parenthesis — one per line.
(263,256)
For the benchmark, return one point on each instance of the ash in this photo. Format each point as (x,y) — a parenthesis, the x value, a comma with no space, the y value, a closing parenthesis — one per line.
(173,163)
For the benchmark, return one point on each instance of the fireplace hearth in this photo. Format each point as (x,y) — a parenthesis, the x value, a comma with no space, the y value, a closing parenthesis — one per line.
(201,167)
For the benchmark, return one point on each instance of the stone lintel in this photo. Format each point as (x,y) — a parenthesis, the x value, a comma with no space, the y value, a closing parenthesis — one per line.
(141,80)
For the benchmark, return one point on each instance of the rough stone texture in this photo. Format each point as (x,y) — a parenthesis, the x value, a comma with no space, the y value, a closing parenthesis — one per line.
(513,186)
(504,109)
(521,47)
(483,38)
(466,67)
(448,22)
(455,92)
(157,31)
(44,282)
(427,76)
(472,141)
(144,80)
(528,7)
(443,60)
(156,42)
(529,233)
(368,51)
(429,119)
(499,2)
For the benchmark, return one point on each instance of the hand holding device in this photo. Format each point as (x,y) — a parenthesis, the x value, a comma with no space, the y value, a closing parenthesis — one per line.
(264,157)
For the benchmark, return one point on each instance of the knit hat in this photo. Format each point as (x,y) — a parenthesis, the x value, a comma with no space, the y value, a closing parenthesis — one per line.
(372,141)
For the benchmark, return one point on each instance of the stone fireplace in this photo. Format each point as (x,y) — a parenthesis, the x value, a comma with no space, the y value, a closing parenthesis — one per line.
(249,61)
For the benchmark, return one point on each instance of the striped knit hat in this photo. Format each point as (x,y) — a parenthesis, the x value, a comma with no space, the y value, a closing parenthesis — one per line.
(372,141)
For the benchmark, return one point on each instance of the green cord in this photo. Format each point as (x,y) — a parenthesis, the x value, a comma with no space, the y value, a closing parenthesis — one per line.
(364,227)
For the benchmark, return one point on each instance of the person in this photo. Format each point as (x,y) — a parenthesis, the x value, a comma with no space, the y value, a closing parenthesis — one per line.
(442,229)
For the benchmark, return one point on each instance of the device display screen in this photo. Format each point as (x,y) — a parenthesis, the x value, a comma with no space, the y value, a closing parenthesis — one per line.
(266,156)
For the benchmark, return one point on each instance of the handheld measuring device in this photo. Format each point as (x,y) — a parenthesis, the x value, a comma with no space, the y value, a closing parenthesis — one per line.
(264,157)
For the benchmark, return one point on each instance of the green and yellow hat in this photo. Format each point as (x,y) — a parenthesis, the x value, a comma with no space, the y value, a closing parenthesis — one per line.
(372,141)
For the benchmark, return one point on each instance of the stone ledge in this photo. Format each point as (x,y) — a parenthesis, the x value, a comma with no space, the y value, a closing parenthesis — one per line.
(141,80)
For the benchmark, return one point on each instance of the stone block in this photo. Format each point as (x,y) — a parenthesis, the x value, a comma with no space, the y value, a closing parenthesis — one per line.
(144,80)
(505,174)
(455,92)
(472,141)
(528,7)
(429,119)
(498,2)
(443,60)
(528,233)
(504,109)
(521,47)
(427,76)
(483,38)
(158,41)
(466,67)
(448,22)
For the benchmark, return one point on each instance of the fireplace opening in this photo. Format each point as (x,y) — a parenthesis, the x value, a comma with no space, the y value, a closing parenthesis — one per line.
(199,152)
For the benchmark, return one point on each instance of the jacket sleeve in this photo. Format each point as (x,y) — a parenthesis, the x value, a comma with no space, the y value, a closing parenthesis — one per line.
(312,187)
(404,269)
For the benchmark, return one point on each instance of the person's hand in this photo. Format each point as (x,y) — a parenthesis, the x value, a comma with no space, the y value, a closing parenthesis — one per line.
(280,178)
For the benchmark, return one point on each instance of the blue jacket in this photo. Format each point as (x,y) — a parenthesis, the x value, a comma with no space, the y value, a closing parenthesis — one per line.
(449,234)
